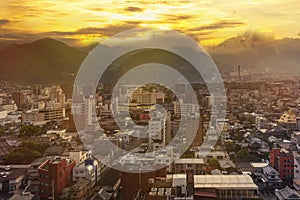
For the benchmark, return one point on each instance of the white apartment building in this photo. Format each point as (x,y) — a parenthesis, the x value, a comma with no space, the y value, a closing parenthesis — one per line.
(81,171)
(157,129)
(181,108)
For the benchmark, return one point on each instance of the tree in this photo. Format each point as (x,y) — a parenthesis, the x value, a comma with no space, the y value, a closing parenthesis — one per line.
(231,147)
(242,153)
(26,153)
(214,163)
(31,130)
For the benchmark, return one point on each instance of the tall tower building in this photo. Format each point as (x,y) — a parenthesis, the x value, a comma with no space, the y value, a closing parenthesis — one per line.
(37,90)
(168,128)
(239,72)
(18,98)
(157,131)
(198,140)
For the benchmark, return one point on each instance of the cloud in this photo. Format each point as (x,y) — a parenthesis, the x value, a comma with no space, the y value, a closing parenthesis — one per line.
(256,36)
(66,36)
(104,31)
(218,25)
(178,17)
(133,9)
(97,9)
(4,22)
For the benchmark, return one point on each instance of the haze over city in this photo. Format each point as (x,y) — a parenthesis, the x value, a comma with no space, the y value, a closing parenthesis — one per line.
(149,100)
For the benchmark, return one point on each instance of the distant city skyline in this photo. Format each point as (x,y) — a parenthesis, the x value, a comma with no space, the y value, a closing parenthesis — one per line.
(210,22)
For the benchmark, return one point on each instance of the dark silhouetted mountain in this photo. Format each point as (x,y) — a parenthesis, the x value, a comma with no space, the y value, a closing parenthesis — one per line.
(89,48)
(51,61)
(257,53)
(43,61)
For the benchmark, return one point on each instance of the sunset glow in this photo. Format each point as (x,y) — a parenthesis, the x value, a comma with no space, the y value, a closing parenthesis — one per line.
(83,22)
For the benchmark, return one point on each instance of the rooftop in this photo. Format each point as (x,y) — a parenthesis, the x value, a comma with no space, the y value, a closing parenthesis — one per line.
(259,165)
(179,180)
(190,161)
(224,182)
(11,174)
(286,194)
(270,170)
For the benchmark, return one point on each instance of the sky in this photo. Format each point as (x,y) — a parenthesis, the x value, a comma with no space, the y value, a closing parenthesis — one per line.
(82,22)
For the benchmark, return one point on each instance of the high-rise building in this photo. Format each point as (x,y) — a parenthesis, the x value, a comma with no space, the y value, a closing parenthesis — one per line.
(37,90)
(82,112)
(181,108)
(200,132)
(239,72)
(168,128)
(18,98)
(157,131)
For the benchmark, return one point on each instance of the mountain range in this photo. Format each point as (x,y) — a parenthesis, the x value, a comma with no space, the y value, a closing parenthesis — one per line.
(258,54)
(52,61)
(43,61)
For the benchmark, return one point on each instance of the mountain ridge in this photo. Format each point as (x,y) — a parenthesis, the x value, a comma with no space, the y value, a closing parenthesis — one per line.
(45,61)
(49,60)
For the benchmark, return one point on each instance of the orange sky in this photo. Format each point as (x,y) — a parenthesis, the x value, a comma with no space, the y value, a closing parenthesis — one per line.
(82,22)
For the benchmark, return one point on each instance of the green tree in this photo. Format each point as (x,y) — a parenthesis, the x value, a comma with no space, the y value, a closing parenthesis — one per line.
(214,163)
(231,147)
(242,153)
(26,153)
(30,130)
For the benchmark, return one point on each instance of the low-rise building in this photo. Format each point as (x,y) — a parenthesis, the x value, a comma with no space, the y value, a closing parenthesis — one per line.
(270,178)
(11,179)
(287,194)
(227,166)
(257,168)
(288,121)
(39,117)
(78,155)
(82,171)
(81,190)
(295,137)
(224,187)
(189,166)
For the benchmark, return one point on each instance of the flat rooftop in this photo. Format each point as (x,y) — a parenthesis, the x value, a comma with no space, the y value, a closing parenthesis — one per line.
(224,182)
(259,165)
(190,161)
